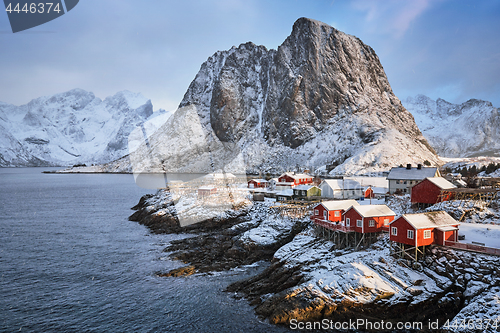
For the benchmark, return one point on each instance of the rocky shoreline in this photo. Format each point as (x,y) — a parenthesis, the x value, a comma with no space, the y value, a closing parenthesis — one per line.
(307,281)
(218,243)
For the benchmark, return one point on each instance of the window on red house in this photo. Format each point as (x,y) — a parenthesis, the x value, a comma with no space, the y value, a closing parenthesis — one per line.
(410,234)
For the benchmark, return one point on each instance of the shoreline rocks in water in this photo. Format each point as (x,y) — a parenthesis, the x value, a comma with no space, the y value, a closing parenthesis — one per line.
(182,271)
(159,214)
(307,281)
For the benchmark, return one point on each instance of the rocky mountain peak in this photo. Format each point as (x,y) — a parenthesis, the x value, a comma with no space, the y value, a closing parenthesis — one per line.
(318,77)
(445,108)
(290,94)
(477,102)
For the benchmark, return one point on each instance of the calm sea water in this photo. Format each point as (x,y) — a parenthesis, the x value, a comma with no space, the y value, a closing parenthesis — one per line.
(70,261)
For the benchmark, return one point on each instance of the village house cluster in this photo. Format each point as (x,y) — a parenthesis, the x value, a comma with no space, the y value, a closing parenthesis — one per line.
(339,216)
(352,212)
(350,224)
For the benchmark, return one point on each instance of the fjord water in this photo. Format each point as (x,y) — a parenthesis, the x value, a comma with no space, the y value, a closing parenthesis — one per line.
(70,261)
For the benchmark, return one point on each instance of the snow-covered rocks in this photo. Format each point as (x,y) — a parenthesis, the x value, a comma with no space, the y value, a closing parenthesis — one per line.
(457,130)
(269,231)
(481,314)
(308,280)
(342,285)
(70,128)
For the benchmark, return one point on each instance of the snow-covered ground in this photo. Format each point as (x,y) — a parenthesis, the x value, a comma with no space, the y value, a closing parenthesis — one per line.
(359,276)
(478,162)
(488,234)
(372,202)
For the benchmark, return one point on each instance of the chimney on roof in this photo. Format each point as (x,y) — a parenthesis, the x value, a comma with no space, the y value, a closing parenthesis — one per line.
(408,166)
(419,166)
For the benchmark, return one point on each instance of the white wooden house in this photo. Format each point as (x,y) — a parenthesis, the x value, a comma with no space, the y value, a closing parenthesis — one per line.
(403,179)
(341,189)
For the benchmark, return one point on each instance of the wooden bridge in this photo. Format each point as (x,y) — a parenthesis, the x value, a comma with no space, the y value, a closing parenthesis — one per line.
(473,248)
(344,236)
(296,209)
(333,226)
(485,195)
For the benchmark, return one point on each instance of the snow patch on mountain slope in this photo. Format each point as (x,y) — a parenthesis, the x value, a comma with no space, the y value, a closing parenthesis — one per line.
(70,128)
(457,130)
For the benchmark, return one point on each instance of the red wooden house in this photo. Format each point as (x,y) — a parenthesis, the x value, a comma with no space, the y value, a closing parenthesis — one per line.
(427,192)
(368,218)
(295,179)
(258,183)
(331,211)
(206,191)
(424,229)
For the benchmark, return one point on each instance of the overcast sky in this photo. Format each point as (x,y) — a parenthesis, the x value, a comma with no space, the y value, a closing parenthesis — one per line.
(440,48)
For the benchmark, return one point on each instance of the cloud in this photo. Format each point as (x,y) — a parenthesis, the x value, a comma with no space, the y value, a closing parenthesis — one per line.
(392,17)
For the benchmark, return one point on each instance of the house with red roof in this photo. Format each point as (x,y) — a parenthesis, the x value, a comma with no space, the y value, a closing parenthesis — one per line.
(258,183)
(289,180)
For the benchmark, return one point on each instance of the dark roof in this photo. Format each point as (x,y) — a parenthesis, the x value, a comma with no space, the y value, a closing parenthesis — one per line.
(411,174)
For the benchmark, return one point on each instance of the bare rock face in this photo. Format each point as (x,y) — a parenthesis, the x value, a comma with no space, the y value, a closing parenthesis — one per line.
(320,85)
(323,72)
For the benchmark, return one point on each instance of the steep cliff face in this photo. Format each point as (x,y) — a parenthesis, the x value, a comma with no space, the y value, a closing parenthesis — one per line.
(321,98)
(458,130)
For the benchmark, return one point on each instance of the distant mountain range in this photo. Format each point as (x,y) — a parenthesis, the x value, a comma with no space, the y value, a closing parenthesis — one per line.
(70,128)
(469,129)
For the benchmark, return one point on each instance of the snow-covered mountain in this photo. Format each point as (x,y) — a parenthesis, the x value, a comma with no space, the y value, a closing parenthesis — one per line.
(70,128)
(322,98)
(457,130)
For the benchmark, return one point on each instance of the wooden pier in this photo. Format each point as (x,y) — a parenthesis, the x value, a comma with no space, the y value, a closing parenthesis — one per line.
(344,236)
